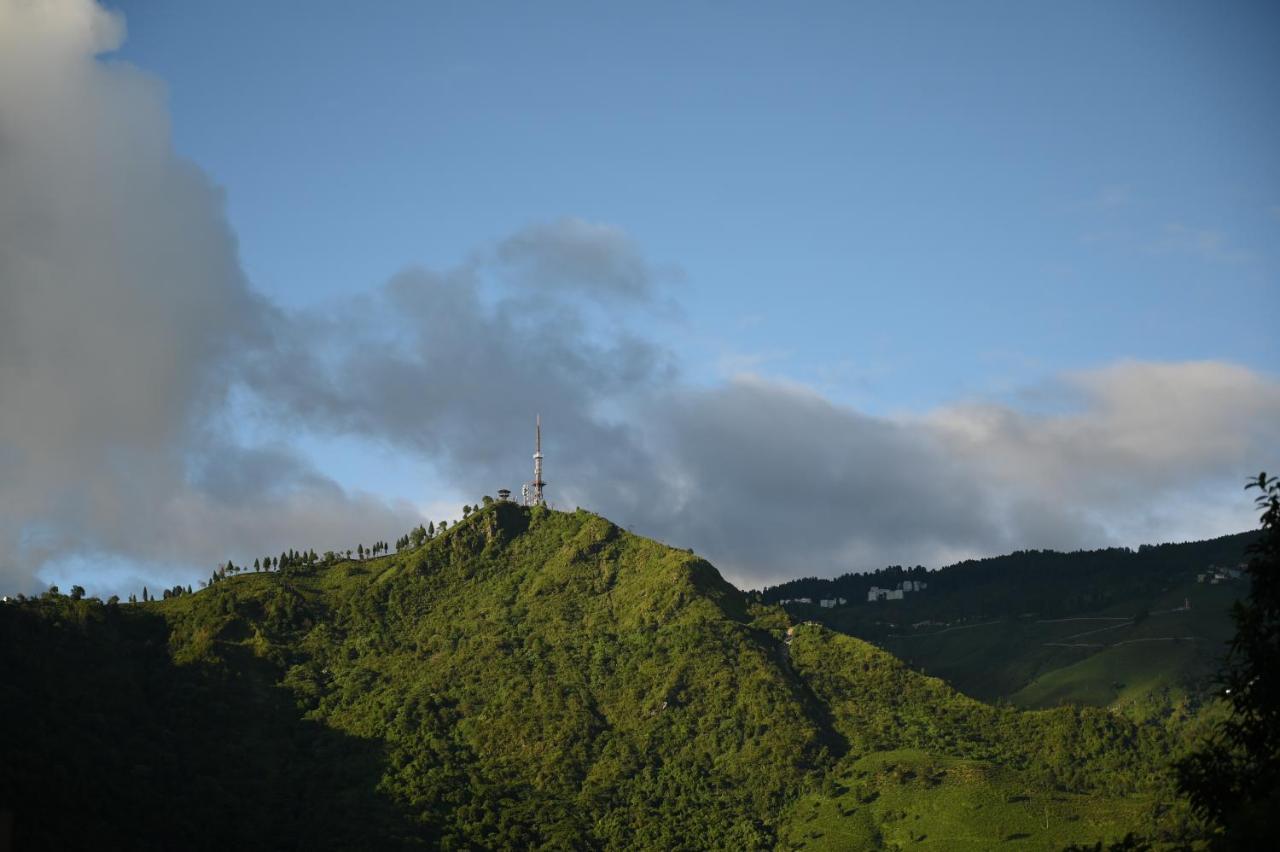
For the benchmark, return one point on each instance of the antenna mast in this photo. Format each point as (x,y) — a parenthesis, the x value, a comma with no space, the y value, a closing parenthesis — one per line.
(534,496)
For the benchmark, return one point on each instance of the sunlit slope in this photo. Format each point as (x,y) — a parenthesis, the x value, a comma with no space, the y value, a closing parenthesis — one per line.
(916,800)
(1162,661)
(996,627)
(1143,658)
(532,669)
(540,679)
(928,765)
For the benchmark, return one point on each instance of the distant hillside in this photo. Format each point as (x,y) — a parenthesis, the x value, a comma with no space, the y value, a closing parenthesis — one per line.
(529,679)
(1132,630)
(1045,582)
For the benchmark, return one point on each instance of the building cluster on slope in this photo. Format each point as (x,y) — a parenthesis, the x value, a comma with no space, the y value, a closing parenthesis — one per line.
(825,603)
(1218,574)
(875,593)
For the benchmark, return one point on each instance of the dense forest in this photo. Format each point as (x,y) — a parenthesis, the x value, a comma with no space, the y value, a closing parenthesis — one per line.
(533,679)
(1046,582)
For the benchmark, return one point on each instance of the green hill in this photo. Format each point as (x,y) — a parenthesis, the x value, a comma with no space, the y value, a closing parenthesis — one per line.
(1131,630)
(529,679)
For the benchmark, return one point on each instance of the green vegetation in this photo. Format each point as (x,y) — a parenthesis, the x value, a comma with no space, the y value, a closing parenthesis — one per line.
(1233,777)
(1045,582)
(1134,631)
(526,678)
(916,800)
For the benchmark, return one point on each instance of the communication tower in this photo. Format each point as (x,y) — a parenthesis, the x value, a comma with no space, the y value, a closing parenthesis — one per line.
(532,491)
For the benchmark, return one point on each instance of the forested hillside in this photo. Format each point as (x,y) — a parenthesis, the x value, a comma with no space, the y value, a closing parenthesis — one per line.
(528,679)
(1139,631)
(1048,583)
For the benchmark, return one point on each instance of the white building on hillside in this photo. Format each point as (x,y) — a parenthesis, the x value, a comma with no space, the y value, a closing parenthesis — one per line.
(875,593)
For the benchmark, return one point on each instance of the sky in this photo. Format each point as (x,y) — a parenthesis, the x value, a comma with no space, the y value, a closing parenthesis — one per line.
(809,289)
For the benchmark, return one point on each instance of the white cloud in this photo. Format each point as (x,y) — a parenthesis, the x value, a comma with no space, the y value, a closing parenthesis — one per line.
(123,313)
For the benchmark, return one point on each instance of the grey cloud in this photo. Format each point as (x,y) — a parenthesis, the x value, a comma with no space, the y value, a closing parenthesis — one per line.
(1136,428)
(123,315)
(570,254)
(774,481)
(771,480)
(768,479)
(434,367)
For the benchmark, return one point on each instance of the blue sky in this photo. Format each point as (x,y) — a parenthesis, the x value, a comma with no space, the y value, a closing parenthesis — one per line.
(900,202)
(897,208)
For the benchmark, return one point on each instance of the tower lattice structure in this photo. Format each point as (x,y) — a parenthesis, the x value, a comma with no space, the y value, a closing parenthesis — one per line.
(533,490)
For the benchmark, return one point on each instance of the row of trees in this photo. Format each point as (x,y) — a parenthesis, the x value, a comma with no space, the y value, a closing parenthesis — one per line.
(292,559)
(78,593)
(420,535)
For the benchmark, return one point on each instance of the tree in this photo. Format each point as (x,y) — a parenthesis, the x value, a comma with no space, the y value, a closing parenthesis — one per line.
(466,510)
(360,550)
(144,594)
(431,529)
(77,592)
(1233,779)
(53,591)
(257,566)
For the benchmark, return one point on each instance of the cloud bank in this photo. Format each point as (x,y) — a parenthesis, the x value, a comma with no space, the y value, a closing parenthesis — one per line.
(768,478)
(123,316)
(127,327)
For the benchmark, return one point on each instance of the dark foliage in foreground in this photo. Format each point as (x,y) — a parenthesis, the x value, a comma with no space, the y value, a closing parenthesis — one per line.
(1234,779)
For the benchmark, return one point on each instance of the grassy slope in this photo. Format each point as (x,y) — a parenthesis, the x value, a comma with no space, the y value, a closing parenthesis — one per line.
(1144,668)
(534,670)
(930,766)
(1013,617)
(541,679)
(1165,660)
(910,798)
